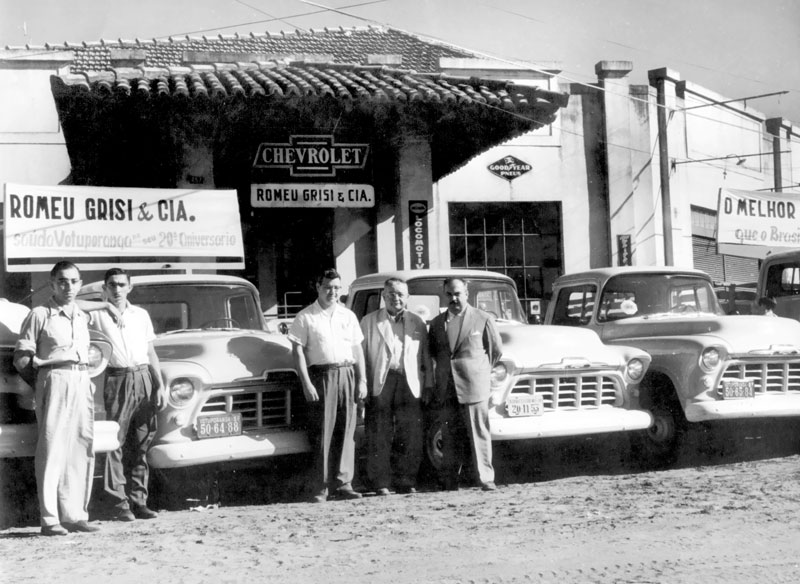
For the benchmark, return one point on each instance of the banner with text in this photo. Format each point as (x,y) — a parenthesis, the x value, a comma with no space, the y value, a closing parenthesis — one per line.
(754,223)
(97,227)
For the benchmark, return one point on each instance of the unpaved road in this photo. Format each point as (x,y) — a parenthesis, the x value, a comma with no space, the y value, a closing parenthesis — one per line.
(566,511)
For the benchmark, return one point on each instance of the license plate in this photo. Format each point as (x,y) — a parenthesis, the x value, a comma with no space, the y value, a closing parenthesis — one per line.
(524,405)
(738,389)
(219,425)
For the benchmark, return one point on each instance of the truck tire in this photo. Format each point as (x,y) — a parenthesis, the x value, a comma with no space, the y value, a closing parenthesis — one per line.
(660,445)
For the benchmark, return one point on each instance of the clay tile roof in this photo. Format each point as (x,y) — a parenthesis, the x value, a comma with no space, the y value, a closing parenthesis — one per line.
(280,80)
(344,45)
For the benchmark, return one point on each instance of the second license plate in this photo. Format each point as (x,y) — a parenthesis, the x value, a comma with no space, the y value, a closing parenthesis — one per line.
(524,405)
(738,389)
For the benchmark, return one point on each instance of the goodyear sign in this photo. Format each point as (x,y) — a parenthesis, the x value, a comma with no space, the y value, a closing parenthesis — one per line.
(509,167)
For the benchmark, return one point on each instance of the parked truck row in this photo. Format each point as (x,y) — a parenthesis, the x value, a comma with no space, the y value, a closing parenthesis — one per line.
(645,351)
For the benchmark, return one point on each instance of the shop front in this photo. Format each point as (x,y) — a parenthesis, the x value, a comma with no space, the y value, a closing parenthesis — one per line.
(333,165)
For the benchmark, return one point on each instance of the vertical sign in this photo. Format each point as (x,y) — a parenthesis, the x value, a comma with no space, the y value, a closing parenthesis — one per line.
(418,224)
(624,250)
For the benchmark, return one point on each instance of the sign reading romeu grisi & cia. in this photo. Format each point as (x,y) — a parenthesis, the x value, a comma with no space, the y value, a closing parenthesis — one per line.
(136,228)
(311,156)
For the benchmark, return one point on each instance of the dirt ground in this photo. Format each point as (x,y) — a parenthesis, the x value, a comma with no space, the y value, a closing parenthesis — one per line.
(566,511)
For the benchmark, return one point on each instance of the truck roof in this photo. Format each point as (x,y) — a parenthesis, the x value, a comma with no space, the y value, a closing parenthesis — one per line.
(441,273)
(172,278)
(608,272)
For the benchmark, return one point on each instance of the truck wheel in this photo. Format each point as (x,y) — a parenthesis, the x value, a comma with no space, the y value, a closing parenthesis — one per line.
(660,445)
(433,445)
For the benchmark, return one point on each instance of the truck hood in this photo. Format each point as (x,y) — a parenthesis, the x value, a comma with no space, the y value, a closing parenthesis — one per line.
(741,334)
(226,355)
(536,345)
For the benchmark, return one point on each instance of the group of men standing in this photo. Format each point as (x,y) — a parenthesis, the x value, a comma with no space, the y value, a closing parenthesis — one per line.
(406,365)
(52,354)
(396,364)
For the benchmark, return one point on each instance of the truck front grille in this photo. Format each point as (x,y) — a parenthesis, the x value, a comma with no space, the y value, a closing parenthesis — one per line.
(276,403)
(573,392)
(769,377)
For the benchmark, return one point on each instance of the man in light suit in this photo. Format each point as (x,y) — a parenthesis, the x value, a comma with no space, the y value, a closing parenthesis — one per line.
(396,354)
(464,345)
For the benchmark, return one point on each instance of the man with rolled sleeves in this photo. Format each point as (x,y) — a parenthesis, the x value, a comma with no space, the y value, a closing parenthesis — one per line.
(326,345)
(464,346)
(396,355)
(132,394)
(54,339)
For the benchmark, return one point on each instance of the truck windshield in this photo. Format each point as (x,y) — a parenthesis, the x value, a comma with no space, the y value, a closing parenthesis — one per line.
(176,307)
(637,295)
(498,298)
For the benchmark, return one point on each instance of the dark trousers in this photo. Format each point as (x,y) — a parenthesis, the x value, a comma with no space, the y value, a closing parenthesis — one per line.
(332,425)
(465,437)
(394,434)
(127,396)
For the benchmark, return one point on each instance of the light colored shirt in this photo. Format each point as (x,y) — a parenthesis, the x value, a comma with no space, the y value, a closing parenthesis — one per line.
(60,333)
(327,337)
(398,334)
(129,337)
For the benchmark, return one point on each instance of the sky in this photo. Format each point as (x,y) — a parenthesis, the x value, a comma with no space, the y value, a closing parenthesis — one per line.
(736,48)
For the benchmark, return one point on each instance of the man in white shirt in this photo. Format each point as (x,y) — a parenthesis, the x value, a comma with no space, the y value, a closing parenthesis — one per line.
(326,345)
(133,394)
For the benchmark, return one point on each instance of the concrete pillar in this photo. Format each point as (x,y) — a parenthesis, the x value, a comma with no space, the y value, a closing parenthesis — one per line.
(415,183)
(613,79)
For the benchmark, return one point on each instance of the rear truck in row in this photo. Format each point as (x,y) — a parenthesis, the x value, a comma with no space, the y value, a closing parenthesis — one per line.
(706,366)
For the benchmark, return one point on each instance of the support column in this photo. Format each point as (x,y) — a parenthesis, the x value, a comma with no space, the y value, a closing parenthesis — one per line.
(415,183)
(773,126)
(665,80)
(613,79)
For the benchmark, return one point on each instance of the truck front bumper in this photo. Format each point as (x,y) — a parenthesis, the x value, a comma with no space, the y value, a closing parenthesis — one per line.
(567,423)
(761,406)
(249,445)
(18,440)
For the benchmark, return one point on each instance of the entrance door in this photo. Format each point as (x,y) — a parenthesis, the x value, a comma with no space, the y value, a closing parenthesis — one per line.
(521,240)
(290,248)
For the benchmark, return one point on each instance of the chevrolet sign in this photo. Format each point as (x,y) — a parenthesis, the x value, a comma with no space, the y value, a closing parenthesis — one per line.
(307,156)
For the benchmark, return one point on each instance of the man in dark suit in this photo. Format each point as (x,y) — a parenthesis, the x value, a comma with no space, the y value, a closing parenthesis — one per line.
(464,345)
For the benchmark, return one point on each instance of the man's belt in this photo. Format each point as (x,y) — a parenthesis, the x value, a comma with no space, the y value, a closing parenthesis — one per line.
(66,367)
(329,366)
(125,370)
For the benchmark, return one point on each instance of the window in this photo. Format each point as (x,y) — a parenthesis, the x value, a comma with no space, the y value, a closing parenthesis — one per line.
(520,240)
(574,306)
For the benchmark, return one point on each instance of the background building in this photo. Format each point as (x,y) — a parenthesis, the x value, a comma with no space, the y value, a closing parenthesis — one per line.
(466,161)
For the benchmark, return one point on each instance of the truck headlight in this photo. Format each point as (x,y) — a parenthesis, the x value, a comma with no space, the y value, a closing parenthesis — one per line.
(499,374)
(181,391)
(635,369)
(710,359)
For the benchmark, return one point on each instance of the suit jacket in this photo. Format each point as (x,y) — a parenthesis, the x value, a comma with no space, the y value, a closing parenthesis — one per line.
(377,329)
(478,348)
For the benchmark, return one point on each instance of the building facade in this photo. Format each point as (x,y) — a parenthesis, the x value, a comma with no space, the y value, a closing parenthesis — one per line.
(434,157)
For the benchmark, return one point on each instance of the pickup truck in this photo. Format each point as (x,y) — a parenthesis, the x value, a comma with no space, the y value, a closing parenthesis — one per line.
(233,392)
(706,366)
(552,381)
